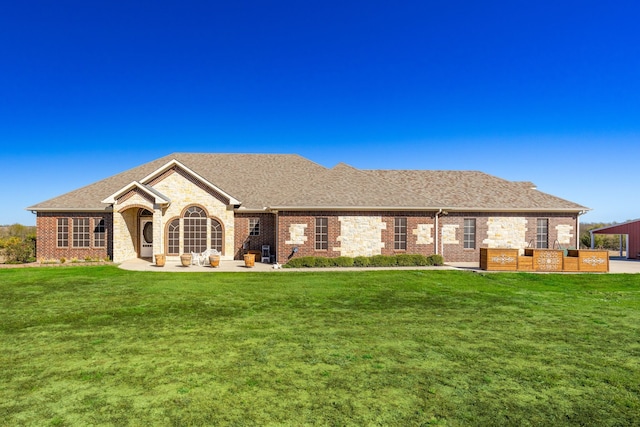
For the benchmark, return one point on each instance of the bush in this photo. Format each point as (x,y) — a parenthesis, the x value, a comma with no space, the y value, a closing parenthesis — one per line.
(410,260)
(383,261)
(17,250)
(405,260)
(322,262)
(361,261)
(435,259)
(343,261)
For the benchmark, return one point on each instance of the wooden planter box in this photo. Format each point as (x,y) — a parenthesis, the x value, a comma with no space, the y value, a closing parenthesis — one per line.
(525,263)
(496,259)
(595,261)
(570,263)
(547,259)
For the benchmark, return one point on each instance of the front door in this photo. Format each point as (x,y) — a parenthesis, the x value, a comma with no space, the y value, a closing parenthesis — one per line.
(146,238)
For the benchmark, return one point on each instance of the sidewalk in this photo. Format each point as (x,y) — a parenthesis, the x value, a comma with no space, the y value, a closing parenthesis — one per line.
(615,266)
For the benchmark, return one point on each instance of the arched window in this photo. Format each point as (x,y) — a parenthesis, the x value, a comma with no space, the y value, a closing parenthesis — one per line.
(173,237)
(195,230)
(189,233)
(216,235)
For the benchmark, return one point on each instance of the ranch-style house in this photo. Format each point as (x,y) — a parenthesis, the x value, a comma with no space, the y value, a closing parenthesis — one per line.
(234,203)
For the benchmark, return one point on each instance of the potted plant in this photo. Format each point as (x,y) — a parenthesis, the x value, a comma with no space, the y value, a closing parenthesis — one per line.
(214,260)
(185,259)
(249,260)
(160,260)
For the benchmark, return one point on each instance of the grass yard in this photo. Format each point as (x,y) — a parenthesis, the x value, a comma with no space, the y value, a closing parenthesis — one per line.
(102,346)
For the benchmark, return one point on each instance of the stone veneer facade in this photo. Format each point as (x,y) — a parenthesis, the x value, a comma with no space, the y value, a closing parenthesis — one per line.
(184,191)
(360,236)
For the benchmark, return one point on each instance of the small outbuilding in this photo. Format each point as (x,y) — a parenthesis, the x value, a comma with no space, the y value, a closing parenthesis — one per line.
(631,229)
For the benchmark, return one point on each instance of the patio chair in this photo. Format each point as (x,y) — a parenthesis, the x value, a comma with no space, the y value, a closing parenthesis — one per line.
(203,258)
(266,254)
(195,258)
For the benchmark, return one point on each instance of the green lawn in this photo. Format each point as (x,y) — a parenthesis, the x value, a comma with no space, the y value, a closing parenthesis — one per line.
(102,346)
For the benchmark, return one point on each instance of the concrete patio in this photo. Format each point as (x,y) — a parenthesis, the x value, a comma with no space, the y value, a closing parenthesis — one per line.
(615,266)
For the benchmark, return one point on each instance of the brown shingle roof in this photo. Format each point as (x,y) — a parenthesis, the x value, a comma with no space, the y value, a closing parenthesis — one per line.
(287,180)
(471,190)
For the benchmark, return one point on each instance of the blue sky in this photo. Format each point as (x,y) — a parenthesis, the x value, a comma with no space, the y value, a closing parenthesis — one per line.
(543,91)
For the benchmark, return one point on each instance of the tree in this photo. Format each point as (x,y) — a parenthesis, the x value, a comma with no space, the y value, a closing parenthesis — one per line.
(18,243)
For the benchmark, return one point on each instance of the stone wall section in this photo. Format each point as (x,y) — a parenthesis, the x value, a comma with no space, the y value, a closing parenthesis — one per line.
(297,234)
(424,234)
(449,232)
(182,192)
(565,237)
(125,233)
(506,232)
(360,236)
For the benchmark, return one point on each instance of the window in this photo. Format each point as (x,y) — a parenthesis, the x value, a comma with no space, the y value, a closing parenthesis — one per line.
(542,233)
(99,233)
(469,239)
(195,230)
(322,234)
(173,237)
(81,232)
(216,235)
(400,234)
(63,232)
(254,226)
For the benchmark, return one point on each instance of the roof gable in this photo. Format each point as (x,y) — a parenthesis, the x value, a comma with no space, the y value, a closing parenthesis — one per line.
(152,194)
(151,178)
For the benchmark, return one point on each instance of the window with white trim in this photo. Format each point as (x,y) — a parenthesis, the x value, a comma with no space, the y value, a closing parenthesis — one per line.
(322,234)
(173,237)
(254,226)
(195,230)
(63,232)
(80,232)
(400,233)
(216,235)
(469,235)
(542,233)
(99,233)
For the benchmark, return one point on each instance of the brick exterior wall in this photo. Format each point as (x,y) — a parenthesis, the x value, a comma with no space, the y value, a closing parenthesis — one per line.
(419,224)
(47,236)
(457,253)
(254,243)
(276,231)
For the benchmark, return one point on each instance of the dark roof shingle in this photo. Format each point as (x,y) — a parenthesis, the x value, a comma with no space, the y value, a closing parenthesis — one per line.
(288,180)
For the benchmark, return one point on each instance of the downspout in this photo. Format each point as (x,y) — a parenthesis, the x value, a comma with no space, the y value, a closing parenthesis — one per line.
(436,231)
(578,229)
(277,241)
